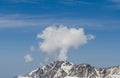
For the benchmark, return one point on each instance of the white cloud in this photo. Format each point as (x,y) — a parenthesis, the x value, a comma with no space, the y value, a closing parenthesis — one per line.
(28,58)
(57,40)
(32,48)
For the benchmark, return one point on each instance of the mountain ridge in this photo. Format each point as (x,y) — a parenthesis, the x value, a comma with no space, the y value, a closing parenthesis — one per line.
(62,69)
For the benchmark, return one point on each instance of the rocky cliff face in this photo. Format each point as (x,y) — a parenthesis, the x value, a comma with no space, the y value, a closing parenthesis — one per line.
(61,69)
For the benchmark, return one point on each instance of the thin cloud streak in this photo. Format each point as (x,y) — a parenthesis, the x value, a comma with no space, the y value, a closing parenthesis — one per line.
(74,3)
(115,4)
(23,1)
(115,1)
(17,20)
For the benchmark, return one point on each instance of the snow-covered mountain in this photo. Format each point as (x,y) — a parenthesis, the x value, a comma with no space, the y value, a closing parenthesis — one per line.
(61,69)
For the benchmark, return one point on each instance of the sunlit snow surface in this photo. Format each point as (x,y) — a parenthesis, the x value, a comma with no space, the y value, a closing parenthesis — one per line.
(23,77)
(70,77)
(66,68)
(64,77)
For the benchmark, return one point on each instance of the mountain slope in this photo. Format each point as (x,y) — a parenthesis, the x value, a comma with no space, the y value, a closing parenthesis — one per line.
(61,69)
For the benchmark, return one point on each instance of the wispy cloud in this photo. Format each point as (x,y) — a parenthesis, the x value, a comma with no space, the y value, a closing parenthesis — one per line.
(23,1)
(28,58)
(115,1)
(115,4)
(32,48)
(17,23)
(76,2)
(17,20)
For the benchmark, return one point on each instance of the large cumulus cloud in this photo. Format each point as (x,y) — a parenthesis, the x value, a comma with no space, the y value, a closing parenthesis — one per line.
(57,40)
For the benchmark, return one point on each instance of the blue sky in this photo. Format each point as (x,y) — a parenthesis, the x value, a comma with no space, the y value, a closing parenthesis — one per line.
(22,20)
